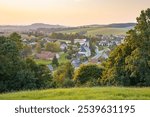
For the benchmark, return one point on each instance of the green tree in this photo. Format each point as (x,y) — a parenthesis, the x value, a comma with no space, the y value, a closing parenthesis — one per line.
(42,75)
(38,48)
(17,73)
(63,75)
(88,73)
(129,63)
(55,61)
(92,47)
(14,74)
(17,39)
(27,50)
(53,47)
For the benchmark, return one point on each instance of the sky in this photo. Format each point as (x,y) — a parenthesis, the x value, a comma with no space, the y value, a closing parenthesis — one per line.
(70,12)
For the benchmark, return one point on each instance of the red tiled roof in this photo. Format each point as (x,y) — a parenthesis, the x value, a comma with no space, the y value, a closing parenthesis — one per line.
(45,55)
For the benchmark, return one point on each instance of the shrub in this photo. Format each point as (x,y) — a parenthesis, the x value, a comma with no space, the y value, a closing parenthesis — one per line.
(88,73)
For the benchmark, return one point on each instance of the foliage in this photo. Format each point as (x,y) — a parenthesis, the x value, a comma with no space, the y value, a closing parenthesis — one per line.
(66,36)
(88,73)
(15,37)
(71,52)
(92,47)
(129,63)
(53,47)
(41,73)
(63,74)
(55,61)
(14,74)
(27,50)
(68,83)
(38,48)
(17,73)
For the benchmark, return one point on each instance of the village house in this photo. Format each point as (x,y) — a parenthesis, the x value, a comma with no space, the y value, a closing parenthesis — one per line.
(80,41)
(84,47)
(46,55)
(63,46)
(85,50)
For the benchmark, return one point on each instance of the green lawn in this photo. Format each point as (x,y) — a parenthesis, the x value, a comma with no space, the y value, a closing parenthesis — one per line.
(96,93)
(42,62)
(63,58)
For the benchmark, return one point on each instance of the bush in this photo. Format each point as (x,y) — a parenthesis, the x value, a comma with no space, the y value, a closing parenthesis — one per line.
(88,73)
(68,83)
(17,73)
(63,74)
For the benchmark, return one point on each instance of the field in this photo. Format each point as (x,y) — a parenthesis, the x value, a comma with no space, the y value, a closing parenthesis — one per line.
(96,93)
(63,58)
(107,31)
(42,62)
(92,31)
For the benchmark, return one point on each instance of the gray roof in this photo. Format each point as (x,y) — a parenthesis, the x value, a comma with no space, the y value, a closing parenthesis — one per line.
(50,67)
(75,63)
(83,49)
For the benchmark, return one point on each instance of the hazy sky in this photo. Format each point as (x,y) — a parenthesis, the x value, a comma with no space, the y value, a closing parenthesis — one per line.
(70,12)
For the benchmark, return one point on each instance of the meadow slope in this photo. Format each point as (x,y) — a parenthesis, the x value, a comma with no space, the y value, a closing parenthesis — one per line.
(93,31)
(96,93)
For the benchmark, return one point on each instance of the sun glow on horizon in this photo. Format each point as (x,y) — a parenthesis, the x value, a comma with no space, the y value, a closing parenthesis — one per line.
(70,12)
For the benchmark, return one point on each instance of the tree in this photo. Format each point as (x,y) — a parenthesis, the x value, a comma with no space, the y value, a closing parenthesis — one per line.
(14,74)
(88,73)
(53,47)
(38,48)
(27,50)
(55,61)
(42,75)
(129,63)
(17,73)
(17,39)
(92,47)
(63,75)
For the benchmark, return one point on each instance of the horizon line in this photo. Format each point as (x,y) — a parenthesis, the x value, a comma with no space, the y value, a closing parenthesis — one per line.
(65,25)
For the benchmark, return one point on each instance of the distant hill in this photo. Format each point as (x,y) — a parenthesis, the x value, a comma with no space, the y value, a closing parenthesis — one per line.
(42,25)
(34,26)
(94,29)
(121,25)
(113,25)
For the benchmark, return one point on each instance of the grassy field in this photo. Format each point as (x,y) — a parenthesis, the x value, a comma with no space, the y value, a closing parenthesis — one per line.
(42,62)
(63,58)
(92,31)
(96,93)
(107,31)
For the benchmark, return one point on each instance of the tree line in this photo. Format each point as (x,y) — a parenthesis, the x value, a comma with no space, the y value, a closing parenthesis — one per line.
(17,73)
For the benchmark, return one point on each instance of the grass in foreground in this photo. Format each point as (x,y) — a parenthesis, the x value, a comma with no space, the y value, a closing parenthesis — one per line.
(96,93)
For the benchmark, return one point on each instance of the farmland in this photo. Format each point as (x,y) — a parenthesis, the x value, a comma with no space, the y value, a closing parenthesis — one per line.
(92,31)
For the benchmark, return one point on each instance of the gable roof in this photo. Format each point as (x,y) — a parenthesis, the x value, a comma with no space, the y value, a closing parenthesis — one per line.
(50,67)
(83,49)
(45,55)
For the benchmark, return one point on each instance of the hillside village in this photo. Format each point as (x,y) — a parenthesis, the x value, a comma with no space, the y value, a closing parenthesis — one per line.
(77,52)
